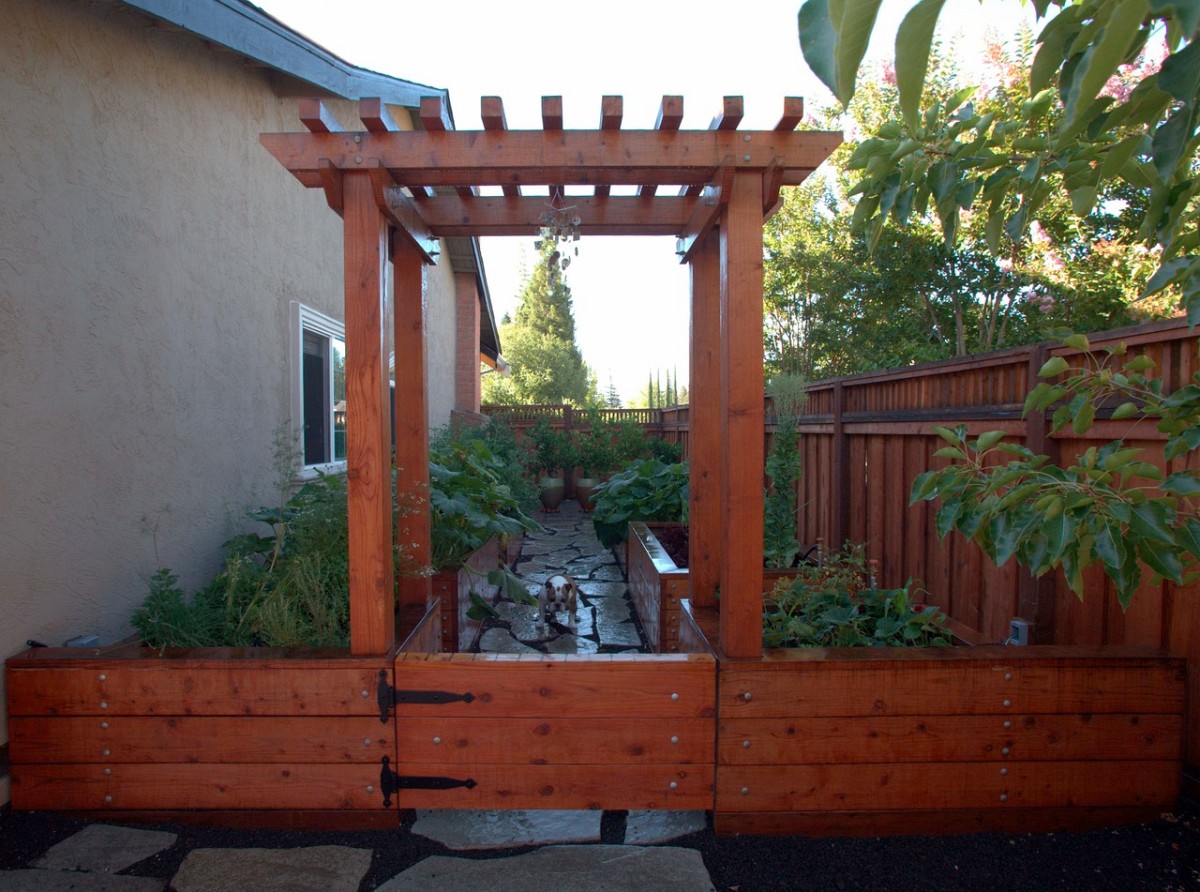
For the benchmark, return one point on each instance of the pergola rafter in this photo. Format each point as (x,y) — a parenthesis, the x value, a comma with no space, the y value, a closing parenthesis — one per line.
(400,191)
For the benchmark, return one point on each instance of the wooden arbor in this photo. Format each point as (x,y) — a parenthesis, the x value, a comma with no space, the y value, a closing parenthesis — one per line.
(398,192)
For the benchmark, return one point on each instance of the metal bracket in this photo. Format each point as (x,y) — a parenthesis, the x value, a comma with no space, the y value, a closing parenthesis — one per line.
(387,697)
(390,782)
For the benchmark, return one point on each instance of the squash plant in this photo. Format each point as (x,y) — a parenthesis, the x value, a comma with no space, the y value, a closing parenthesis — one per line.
(1110,506)
(649,491)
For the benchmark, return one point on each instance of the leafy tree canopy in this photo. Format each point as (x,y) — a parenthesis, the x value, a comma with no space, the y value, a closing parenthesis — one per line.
(539,345)
(1095,122)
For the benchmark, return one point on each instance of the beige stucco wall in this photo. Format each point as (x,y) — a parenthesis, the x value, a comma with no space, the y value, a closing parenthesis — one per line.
(150,251)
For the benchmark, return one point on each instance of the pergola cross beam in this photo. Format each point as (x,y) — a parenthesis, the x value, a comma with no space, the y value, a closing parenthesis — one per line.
(426,184)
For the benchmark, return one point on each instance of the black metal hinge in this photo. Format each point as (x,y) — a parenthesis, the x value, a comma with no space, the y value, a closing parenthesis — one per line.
(388,696)
(390,782)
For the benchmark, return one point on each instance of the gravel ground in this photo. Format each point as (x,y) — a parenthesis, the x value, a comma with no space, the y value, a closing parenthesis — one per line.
(1162,855)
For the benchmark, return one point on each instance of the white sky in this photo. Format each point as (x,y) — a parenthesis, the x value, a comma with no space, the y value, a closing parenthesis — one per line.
(630,294)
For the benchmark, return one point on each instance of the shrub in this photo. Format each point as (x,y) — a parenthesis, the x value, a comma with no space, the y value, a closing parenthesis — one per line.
(649,491)
(837,604)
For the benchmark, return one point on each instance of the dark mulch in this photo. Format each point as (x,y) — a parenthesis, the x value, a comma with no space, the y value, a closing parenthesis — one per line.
(1163,856)
(674,541)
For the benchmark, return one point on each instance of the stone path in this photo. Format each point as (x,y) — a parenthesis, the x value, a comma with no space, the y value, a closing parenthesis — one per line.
(607,622)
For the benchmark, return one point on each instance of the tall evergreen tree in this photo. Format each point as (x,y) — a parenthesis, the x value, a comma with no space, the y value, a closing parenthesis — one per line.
(539,344)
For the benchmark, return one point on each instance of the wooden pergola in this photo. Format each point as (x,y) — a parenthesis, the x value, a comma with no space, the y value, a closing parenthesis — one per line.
(398,192)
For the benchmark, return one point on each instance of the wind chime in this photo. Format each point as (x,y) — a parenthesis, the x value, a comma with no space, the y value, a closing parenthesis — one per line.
(560,223)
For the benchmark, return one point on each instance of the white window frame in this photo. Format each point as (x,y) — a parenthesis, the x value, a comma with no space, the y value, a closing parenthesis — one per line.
(306,319)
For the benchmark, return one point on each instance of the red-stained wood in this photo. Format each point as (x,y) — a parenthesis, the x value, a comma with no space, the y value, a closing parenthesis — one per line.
(331,182)
(118,739)
(557,740)
(793,113)
(413,526)
(315,116)
(368,434)
(452,215)
(435,117)
(492,114)
(376,117)
(552,113)
(670,118)
(741,401)
(611,113)
(197,786)
(932,785)
(704,463)
(565,157)
(950,738)
(730,117)
(584,786)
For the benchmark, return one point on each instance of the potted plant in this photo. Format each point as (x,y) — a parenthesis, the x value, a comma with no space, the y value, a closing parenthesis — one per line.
(550,456)
(594,455)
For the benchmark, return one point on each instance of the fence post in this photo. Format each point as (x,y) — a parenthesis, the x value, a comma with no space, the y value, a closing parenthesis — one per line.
(839,483)
(568,473)
(1036,597)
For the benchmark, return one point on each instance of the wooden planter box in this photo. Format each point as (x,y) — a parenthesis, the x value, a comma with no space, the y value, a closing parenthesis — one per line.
(657,585)
(880,741)
(452,587)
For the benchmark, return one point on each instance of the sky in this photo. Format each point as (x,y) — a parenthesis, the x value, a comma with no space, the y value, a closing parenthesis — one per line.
(630,295)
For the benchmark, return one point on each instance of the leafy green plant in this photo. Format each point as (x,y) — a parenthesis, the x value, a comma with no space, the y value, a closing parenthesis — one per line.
(629,443)
(667,453)
(1110,506)
(780,523)
(648,491)
(469,501)
(594,449)
(838,605)
(551,451)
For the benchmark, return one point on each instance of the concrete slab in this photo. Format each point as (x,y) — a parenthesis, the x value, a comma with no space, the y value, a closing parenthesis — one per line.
(315,869)
(562,869)
(468,830)
(75,881)
(105,848)
(644,828)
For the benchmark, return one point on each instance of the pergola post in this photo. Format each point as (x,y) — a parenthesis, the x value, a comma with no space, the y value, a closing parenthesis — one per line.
(412,421)
(368,447)
(742,418)
(704,437)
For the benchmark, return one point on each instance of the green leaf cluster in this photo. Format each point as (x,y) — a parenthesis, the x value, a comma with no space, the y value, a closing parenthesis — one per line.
(1110,507)
(1072,135)
(650,490)
(838,605)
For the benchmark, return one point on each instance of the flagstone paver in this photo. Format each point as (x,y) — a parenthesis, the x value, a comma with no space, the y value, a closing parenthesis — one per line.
(104,848)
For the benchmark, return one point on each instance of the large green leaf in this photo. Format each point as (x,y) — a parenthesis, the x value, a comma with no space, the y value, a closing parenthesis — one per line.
(833,37)
(1101,59)
(913,40)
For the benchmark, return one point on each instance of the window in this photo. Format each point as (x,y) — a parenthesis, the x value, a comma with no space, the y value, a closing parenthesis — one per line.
(319,388)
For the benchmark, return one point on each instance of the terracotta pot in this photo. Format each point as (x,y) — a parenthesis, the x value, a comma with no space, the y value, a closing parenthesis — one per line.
(551,492)
(584,487)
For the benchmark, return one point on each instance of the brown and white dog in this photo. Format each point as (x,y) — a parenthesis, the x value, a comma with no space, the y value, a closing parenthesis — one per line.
(559,594)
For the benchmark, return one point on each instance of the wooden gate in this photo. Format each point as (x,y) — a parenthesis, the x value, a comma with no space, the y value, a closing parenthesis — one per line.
(622,731)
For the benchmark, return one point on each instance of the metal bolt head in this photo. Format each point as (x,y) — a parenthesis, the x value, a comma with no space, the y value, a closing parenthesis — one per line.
(108,798)
(673,785)
(104,725)
(358,137)
(1007,724)
(745,137)
(1004,797)
(1008,676)
(674,739)
(1007,703)
(1004,772)
(103,705)
(103,677)
(370,788)
(358,159)
(1005,751)
(746,157)
(366,741)
(674,696)
(745,744)
(745,791)
(366,694)
(437,741)
(106,752)
(108,771)
(747,696)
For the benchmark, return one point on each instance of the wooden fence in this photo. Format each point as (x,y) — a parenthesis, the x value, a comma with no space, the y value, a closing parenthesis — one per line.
(864,438)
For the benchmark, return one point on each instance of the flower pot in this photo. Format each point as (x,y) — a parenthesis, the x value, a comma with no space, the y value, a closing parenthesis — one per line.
(584,487)
(551,492)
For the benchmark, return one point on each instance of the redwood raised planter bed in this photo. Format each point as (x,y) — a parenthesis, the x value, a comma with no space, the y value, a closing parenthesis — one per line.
(452,587)
(878,741)
(657,585)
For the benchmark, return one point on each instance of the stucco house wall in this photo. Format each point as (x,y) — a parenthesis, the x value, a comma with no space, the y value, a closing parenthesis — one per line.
(151,252)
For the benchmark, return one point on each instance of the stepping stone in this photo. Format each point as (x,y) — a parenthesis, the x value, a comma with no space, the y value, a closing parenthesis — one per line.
(315,869)
(603,589)
(73,881)
(649,827)
(104,848)
(470,830)
(609,573)
(501,641)
(594,868)
(572,644)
